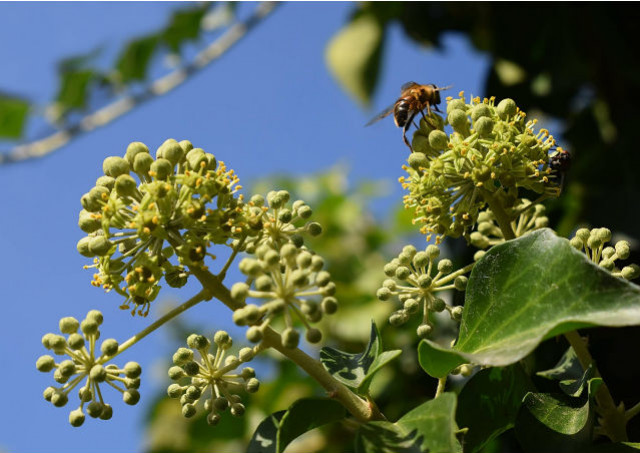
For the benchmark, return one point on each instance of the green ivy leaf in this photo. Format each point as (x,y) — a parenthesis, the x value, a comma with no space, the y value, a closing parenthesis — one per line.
(430,427)
(74,89)
(184,26)
(134,60)
(568,368)
(276,431)
(13,115)
(357,370)
(489,403)
(525,291)
(354,55)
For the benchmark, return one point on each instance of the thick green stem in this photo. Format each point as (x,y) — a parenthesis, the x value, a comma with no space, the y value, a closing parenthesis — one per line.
(358,407)
(504,222)
(613,419)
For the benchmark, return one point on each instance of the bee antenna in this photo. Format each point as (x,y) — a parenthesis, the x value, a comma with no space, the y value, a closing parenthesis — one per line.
(448,87)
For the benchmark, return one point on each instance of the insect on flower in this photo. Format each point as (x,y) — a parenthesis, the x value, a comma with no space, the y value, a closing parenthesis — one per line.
(414,98)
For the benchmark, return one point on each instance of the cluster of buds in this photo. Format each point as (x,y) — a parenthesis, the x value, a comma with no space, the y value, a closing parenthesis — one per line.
(492,153)
(414,278)
(180,203)
(527,217)
(593,244)
(86,365)
(215,372)
(288,280)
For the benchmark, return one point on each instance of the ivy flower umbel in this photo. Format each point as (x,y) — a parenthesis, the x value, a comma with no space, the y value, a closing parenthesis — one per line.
(85,366)
(492,153)
(415,278)
(527,217)
(291,283)
(215,372)
(592,243)
(180,203)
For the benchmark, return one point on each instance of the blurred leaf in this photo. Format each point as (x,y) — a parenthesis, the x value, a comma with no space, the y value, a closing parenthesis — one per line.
(184,26)
(134,60)
(570,374)
(280,428)
(489,402)
(357,370)
(354,56)
(74,89)
(13,115)
(513,302)
(429,427)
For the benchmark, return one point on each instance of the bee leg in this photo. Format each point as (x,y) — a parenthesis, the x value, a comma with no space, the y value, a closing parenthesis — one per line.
(407,125)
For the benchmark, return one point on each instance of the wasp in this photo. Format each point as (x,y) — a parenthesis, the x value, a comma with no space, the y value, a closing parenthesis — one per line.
(414,98)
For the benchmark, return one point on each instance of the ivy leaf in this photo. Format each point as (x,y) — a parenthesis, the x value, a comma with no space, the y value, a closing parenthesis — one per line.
(276,431)
(13,115)
(568,368)
(184,26)
(489,404)
(357,370)
(354,55)
(74,89)
(429,427)
(525,291)
(134,60)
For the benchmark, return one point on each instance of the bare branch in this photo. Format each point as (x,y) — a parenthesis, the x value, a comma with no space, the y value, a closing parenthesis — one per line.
(163,85)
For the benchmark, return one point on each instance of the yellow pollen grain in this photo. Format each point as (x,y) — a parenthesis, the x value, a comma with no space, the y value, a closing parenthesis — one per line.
(155,220)
(146,230)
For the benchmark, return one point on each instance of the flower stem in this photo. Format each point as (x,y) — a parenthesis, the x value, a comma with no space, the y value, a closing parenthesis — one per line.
(504,222)
(613,419)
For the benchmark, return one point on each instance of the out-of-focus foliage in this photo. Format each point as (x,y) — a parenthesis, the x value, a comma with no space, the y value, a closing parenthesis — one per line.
(578,63)
(13,114)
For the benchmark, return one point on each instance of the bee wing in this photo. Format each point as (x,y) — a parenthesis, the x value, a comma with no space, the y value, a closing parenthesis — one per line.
(448,87)
(379,116)
(406,86)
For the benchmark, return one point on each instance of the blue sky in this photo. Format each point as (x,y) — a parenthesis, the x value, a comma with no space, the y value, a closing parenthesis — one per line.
(268,106)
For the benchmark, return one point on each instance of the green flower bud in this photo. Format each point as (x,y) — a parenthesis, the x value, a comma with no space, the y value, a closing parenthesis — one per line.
(478,255)
(594,240)
(458,120)
(132,383)
(604,234)
(421,259)
(250,266)
(131,397)
(132,369)
(445,266)
(432,251)
(583,234)
(506,108)
(304,212)
(403,273)
(424,281)
(231,360)
(608,252)
(329,289)
(69,325)
(171,151)
(126,186)
(48,393)
(285,216)
(59,399)
(161,169)
(133,150)
(107,412)
(75,341)
(438,305)
(99,245)
(398,318)
(115,166)
(239,291)
(175,373)
(83,247)
(89,327)
(142,163)
(623,250)
(417,160)
(329,305)
(288,251)
(188,410)
(303,260)
(252,385)
(390,284)
(480,111)
(479,240)
(271,258)
(313,335)
(275,200)
(94,409)
(186,145)
(182,356)
(175,391)
(630,272)
(541,222)
(607,264)
(109,347)
(85,394)
(199,342)
(576,243)
(460,282)
(87,222)
(483,126)
(107,182)
(196,159)
(438,140)
(456,313)
(314,228)
(193,392)
(411,306)
(404,259)
(390,269)
(263,283)
(98,373)
(290,338)
(45,363)
(76,417)
(424,330)
(246,354)
(254,334)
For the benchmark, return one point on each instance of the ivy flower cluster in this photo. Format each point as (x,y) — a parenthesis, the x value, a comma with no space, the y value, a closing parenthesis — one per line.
(527,217)
(492,152)
(593,244)
(180,203)
(414,278)
(86,367)
(214,372)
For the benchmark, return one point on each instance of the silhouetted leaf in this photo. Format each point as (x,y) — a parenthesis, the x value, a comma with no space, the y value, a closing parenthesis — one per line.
(184,26)
(13,114)
(357,370)
(134,60)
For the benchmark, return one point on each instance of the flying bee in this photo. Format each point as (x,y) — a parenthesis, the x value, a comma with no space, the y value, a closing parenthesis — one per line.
(559,163)
(414,98)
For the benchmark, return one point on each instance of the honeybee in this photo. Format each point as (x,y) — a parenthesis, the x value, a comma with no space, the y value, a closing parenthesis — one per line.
(414,98)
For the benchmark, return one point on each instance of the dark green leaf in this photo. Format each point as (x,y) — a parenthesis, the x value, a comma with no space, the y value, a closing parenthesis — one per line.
(276,431)
(74,89)
(13,114)
(488,404)
(567,368)
(527,290)
(357,370)
(184,26)
(134,60)
(429,427)
(354,56)
(623,447)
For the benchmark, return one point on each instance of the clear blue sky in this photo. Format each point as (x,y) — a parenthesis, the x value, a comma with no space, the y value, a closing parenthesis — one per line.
(269,106)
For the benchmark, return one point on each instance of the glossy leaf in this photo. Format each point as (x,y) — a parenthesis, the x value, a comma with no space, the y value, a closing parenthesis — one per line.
(357,370)
(525,291)
(489,403)
(184,26)
(276,431)
(354,55)
(134,60)
(13,115)
(429,427)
